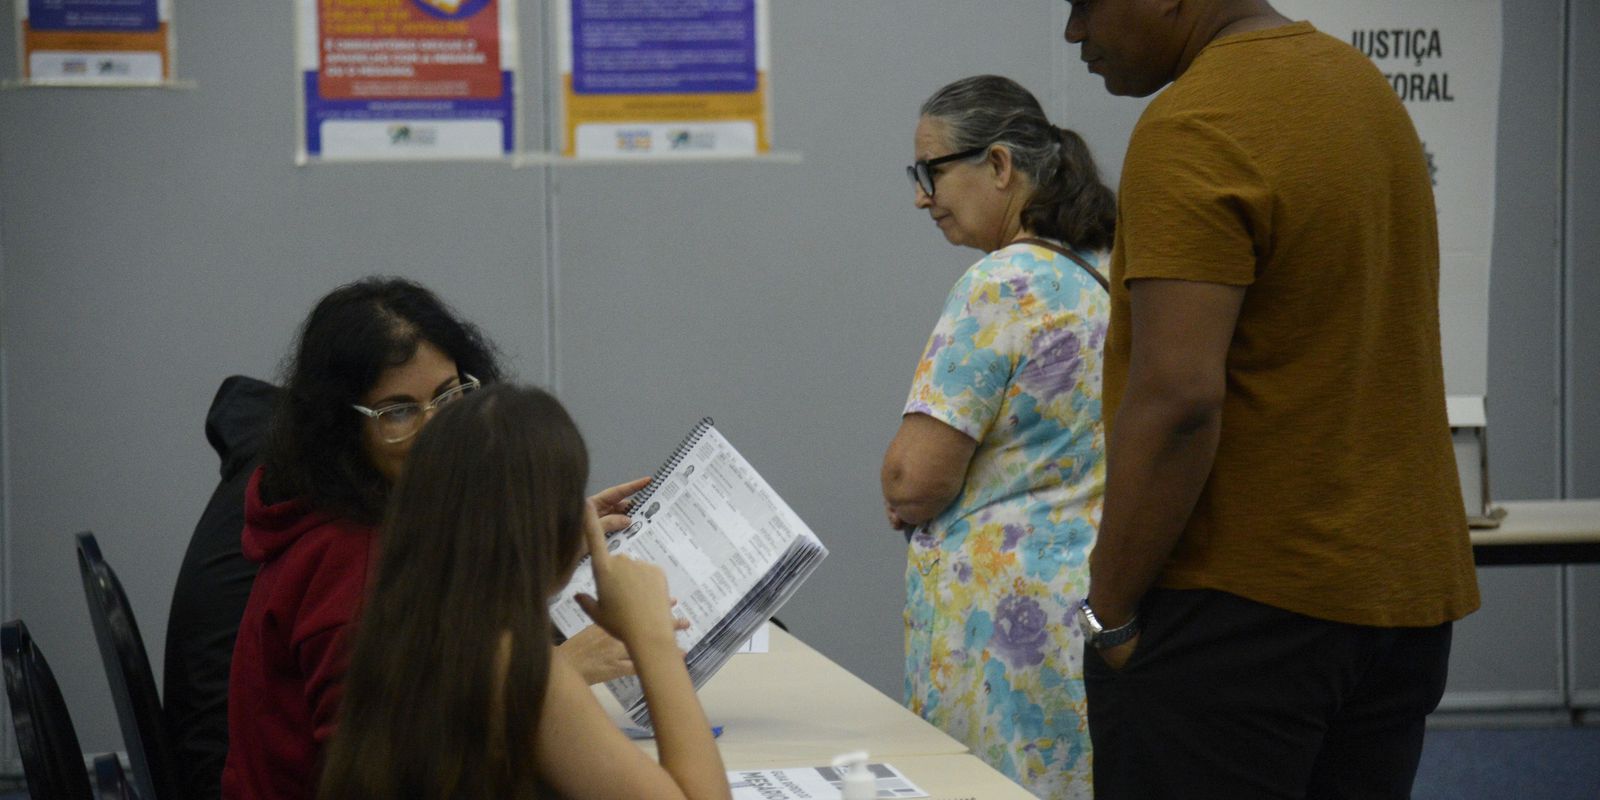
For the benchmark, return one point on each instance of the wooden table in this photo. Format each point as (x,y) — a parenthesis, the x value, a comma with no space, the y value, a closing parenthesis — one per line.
(958,777)
(1541,532)
(793,707)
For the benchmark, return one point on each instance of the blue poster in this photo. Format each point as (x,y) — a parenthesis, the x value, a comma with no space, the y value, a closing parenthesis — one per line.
(94,15)
(688,47)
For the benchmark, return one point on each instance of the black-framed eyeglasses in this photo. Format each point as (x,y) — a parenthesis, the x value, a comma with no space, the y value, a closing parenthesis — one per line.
(401,421)
(921,173)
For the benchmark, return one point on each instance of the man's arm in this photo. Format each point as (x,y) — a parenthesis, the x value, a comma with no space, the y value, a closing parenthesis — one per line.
(1165,438)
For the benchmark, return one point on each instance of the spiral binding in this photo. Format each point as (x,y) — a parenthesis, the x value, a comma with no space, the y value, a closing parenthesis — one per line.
(643,496)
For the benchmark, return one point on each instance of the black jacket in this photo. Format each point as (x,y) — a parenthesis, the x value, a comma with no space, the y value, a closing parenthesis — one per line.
(213,586)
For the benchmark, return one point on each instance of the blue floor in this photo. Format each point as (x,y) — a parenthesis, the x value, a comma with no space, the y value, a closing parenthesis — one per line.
(1515,764)
(1464,764)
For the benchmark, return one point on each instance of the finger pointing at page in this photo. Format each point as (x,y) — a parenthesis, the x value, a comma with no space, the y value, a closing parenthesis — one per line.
(632,604)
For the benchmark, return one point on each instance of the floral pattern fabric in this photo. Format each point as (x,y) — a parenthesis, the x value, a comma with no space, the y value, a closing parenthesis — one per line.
(993,652)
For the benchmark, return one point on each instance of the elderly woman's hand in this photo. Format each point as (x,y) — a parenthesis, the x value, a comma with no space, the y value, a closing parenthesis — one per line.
(894,519)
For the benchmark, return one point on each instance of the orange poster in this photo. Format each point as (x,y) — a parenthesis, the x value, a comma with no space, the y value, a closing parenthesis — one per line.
(407,79)
(446,49)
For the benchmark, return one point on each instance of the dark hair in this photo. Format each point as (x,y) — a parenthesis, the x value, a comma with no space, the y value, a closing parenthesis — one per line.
(1069,201)
(358,330)
(486,521)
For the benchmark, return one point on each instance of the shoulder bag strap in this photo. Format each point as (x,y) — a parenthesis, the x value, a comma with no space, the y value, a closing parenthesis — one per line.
(1071,256)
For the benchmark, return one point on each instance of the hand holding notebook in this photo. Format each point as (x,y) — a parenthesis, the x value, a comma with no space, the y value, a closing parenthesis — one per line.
(732,550)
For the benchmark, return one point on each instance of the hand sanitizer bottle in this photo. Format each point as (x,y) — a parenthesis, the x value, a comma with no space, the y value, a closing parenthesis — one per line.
(858,781)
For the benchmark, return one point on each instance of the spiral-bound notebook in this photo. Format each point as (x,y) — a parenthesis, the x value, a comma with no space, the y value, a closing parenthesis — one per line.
(732,549)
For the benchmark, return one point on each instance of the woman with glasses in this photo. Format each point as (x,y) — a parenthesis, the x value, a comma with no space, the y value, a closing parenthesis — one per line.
(374,361)
(997,470)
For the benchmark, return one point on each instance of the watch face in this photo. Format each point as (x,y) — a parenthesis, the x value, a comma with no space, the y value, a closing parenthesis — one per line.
(1087,623)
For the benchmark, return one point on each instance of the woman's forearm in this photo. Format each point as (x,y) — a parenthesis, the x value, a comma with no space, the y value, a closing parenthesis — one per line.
(924,468)
(687,748)
(916,504)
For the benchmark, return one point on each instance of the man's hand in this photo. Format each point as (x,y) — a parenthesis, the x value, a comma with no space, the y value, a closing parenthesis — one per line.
(1117,657)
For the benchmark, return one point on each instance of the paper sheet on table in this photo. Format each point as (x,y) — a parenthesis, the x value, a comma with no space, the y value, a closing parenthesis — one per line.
(814,783)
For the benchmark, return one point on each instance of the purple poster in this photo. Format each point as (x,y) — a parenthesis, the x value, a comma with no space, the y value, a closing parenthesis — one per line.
(94,15)
(663,47)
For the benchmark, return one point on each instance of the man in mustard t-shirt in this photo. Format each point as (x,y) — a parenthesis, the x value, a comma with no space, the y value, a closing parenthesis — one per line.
(1283,545)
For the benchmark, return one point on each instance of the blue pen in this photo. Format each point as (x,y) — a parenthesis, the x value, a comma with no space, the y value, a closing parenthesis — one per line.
(636,732)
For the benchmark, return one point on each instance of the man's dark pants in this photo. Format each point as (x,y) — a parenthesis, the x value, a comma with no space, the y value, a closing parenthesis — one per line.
(1228,698)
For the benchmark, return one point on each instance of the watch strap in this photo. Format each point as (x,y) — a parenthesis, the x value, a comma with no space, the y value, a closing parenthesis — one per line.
(1111,637)
(1100,637)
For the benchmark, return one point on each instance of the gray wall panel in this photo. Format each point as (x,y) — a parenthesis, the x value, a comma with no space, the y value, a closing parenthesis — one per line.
(1583,631)
(1506,654)
(8,748)
(1524,372)
(1583,332)
(1523,404)
(790,302)
(157,241)
(1583,254)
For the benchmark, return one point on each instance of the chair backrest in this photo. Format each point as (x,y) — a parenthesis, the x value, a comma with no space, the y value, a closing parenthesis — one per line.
(51,757)
(133,685)
(110,782)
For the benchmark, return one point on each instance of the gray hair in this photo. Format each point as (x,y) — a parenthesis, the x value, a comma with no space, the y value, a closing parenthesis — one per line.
(1069,201)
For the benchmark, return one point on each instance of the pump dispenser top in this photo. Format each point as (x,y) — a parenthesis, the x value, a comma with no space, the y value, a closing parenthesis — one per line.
(859,784)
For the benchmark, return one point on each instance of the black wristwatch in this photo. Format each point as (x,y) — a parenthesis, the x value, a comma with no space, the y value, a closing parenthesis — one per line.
(1098,635)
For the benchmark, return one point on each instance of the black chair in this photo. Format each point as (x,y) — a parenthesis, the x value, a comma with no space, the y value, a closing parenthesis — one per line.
(51,757)
(133,685)
(110,783)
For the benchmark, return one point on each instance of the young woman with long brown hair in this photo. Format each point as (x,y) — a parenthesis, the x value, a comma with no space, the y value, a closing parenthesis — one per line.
(454,689)
(373,361)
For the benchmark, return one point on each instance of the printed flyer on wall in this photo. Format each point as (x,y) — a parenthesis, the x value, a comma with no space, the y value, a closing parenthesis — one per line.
(95,42)
(1442,57)
(650,79)
(407,79)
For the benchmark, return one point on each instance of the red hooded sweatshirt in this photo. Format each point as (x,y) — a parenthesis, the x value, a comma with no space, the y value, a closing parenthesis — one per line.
(289,659)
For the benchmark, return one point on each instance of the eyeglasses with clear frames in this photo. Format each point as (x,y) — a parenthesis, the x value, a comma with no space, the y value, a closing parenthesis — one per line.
(921,172)
(401,421)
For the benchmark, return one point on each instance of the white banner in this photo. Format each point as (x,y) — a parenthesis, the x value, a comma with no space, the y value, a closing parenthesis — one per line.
(1443,59)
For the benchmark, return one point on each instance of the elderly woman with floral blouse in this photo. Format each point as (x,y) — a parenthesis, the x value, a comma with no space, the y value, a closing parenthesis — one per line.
(997,470)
